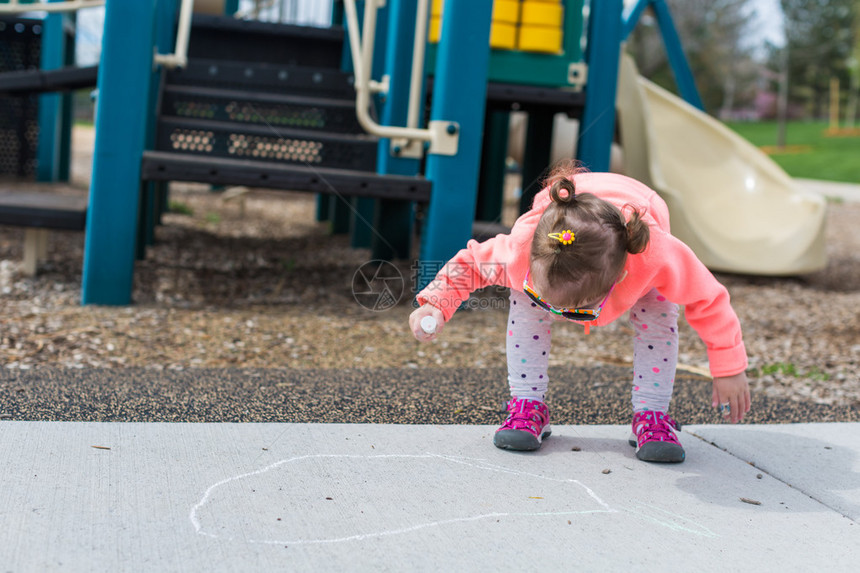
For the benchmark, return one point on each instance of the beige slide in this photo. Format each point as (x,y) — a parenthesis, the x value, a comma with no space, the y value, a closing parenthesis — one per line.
(736,208)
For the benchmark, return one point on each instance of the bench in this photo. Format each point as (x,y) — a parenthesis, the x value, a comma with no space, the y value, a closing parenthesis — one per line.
(40,212)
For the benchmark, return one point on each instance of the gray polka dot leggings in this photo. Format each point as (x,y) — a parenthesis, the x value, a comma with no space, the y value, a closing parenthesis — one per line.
(655,349)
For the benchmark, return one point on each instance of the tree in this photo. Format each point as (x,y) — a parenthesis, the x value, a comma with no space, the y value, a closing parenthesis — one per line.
(715,35)
(820,36)
(854,69)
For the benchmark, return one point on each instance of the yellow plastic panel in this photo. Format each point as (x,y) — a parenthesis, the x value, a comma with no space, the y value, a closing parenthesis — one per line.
(506,11)
(542,14)
(436,7)
(540,39)
(435,31)
(503,36)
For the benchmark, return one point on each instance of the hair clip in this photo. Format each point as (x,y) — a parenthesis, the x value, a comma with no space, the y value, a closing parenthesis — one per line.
(565,237)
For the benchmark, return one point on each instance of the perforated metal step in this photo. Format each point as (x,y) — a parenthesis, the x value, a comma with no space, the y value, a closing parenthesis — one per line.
(272,110)
(226,38)
(62,79)
(264,78)
(20,50)
(39,209)
(161,166)
(266,143)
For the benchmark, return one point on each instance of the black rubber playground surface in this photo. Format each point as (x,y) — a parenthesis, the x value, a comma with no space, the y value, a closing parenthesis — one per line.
(594,395)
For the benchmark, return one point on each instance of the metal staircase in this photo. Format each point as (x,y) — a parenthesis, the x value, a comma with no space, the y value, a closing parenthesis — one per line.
(267,105)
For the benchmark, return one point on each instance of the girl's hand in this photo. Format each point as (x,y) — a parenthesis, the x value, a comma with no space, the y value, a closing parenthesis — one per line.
(415,322)
(733,391)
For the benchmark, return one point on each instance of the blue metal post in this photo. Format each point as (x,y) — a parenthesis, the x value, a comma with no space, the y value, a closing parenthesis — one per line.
(597,128)
(50,110)
(674,51)
(394,220)
(459,95)
(125,73)
(165,41)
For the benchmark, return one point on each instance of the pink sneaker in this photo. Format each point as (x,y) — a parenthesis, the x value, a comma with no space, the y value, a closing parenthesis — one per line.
(654,438)
(526,427)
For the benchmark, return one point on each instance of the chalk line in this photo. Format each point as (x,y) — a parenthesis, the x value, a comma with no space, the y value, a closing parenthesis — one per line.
(470,462)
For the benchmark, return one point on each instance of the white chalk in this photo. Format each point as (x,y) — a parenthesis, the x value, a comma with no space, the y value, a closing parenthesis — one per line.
(428,324)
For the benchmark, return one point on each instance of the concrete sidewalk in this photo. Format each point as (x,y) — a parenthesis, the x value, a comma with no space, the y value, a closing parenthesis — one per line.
(849,192)
(360,497)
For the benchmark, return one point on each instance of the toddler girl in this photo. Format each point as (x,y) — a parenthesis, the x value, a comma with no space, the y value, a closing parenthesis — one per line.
(592,247)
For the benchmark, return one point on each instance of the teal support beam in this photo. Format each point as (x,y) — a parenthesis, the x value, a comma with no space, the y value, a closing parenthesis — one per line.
(340,215)
(166,29)
(322,207)
(325,203)
(675,52)
(394,220)
(631,17)
(355,215)
(459,94)
(393,226)
(67,105)
(360,229)
(672,42)
(597,127)
(491,183)
(361,226)
(536,156)
(125,73)
(49,150)
(231,7)
(162,200)
(337,13)
(145,224)
(67,120)
(165,41)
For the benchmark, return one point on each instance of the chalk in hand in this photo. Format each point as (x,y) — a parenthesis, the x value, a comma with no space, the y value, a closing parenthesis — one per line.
(428,324)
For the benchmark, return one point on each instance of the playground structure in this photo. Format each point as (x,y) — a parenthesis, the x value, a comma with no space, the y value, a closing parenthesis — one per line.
(273,105)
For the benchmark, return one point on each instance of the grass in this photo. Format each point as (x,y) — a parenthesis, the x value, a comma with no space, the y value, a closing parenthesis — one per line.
(180,208)
(789,369)
(820,156)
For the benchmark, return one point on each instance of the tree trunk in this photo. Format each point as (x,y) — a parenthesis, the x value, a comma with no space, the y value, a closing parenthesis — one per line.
(782,100)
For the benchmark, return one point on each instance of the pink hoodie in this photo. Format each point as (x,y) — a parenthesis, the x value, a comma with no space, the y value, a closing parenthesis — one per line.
(667,264)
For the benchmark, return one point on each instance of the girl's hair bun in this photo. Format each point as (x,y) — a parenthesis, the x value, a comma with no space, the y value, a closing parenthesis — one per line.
(562,191)
(560,181)
(638,233)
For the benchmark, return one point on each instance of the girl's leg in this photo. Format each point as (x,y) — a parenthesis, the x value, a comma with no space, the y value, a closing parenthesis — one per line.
(655,352)
(528,339)
(528,342)
(655,357)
